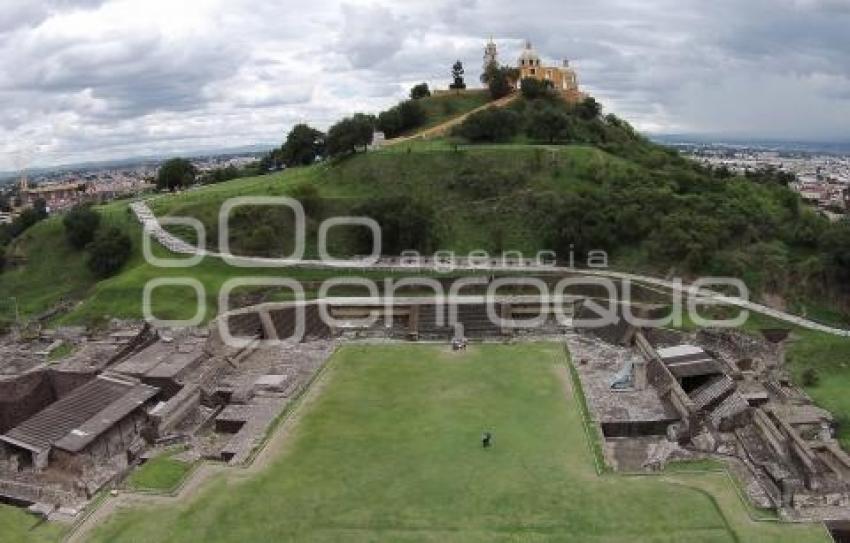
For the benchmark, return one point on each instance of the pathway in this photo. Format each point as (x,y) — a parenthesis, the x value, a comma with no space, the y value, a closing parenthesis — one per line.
(443,128)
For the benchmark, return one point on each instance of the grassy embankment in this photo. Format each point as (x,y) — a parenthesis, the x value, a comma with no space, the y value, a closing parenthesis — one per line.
(161,473)
(18,526)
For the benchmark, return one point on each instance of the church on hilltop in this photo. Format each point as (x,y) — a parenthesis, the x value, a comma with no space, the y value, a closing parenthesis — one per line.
(563,78)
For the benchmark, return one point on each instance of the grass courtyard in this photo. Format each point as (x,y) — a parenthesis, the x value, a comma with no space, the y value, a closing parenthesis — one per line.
(388,450)
(18,526)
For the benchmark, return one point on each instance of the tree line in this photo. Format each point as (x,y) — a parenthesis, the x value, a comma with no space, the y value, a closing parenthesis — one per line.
(304,144)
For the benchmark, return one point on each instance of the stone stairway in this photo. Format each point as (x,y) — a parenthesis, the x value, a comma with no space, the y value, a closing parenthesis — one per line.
(712,393)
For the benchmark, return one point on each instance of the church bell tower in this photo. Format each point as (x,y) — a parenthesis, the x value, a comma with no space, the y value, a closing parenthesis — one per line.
(491,56)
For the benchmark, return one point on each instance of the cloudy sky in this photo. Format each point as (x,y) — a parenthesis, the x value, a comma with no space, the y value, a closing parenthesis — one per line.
(98,79)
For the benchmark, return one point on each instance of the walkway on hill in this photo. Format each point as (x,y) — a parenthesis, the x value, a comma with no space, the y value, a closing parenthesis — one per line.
(178,246)
(443,128)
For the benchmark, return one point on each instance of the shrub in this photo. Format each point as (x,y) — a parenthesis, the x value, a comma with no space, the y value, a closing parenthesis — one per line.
(220,175)
(420,91)
(109,251)
(810,377)
(533,89)
(81,224)
(490,125)
(405,225)
(549,124)
(27,218)
(499,80)
(310,199)
(588,108)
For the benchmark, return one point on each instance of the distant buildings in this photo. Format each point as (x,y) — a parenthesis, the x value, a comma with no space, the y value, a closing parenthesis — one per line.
(64,189)
(55,195)
(821,180)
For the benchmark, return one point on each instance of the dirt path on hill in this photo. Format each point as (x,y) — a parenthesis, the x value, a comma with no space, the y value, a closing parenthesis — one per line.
(206,472)
(442,128)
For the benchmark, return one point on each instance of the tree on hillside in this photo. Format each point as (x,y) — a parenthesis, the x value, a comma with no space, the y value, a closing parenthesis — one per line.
(405,116)
(578,224)
(499,79)
(390,123)
(420,91)
(108,252)
(81,224)
(588,108)
(39,206)
(303,145)
(457,76)
(491,125)
(28,217)
(220,175)
(533,89)
(681,237)
(548,124)
(175,173)
(271,161)
(349,134)
(412,114)
(836,246)
(405,225)
(310,198)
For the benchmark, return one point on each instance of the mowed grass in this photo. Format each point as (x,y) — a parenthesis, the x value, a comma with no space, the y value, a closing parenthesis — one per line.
(162,473)
(18,526)
(389,450)
(829,356)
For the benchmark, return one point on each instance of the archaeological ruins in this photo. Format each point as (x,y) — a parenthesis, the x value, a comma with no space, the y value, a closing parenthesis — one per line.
(73,426)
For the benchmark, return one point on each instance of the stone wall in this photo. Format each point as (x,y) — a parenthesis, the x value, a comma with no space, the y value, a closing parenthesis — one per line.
(23,396)
(64,382)
(111,446)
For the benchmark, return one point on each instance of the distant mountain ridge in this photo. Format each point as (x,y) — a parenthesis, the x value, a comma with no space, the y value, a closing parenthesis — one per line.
(826,147)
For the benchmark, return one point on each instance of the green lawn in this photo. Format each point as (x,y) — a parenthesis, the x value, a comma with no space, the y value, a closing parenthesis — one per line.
(62,351)
(389,451)
(18,526)
(830,357)
(161,473)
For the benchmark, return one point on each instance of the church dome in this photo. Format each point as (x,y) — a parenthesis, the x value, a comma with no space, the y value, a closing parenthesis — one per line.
(529,56)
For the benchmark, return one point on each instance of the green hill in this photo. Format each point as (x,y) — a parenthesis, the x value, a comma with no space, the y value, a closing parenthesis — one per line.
(600,186)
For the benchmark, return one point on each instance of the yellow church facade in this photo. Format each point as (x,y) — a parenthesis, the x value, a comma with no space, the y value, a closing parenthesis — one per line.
(563,78)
